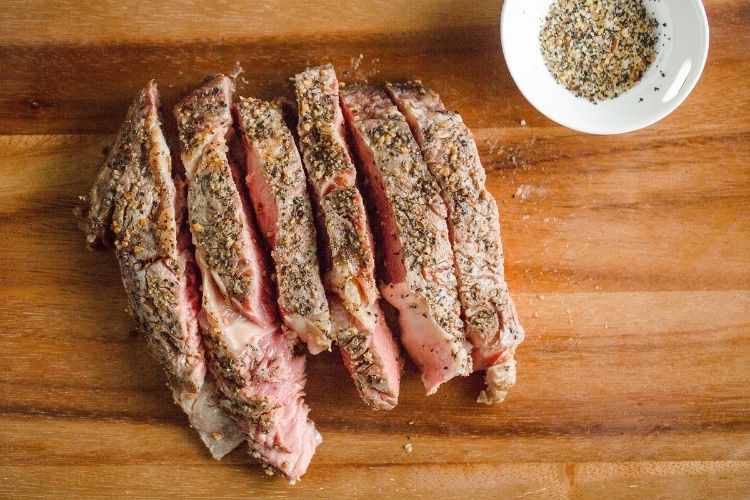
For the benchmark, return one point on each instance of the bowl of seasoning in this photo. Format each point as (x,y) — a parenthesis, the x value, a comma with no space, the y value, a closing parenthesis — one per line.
(605,66)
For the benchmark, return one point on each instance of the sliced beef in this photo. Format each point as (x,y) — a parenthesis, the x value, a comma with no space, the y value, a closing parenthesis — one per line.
(449,148)
(367,345)
(420,278)
(221,224)
(146,217)
(371,356)
(125,150)
(278,190)
(261,380)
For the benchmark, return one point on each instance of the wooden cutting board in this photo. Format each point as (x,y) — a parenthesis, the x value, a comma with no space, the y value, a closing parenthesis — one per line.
(628,257)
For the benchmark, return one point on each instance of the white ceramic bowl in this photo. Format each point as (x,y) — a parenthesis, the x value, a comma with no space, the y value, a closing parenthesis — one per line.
(682,49)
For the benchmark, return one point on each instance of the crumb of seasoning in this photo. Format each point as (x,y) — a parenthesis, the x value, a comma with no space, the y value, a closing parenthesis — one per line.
(409,447)
(598,49)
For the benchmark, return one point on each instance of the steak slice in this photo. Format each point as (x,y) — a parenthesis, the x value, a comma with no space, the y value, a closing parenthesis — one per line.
(260,378)
(278,190)
(366,342)
(448,146)
(124,150)
(420,280)
(156,263)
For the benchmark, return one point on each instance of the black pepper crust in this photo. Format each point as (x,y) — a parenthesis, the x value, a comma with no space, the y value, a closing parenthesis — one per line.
(367,369)
(125,150)
(145,219)
(451,154)
(145,229)
(343,207)
(216,210)
(254,365)
(350,277)
(203,115)
(324,153)
(333,177)
(413,196)
(292,238)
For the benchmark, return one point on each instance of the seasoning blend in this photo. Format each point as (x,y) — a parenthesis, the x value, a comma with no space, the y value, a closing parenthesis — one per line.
(598,49)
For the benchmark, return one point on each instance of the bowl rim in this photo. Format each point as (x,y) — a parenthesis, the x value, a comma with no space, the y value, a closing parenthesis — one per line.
(688,85)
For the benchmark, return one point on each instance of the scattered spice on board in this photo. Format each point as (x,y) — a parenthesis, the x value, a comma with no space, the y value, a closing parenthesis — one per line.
(598,49)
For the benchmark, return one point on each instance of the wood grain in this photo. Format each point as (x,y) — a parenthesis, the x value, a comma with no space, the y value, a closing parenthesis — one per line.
(187,21)
(628,256)
(47,87)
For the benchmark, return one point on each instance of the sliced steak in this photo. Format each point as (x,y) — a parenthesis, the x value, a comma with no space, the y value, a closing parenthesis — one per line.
(278,190)
(371,356)
(158,271)
(367,345)
(420,279)
(260,378)
(125,150)
(222,225)
(448,146)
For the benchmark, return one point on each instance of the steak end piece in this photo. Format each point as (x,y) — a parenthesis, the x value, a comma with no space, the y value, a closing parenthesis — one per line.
(368,348)
(451,154)
(420,280)
(278,190)
(145,214)
(124,150)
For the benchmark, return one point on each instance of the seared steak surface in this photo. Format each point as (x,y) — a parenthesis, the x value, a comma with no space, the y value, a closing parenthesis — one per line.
(135,192)
(261,379)
(367,345)
(278,190)
(449,148)
(420,278)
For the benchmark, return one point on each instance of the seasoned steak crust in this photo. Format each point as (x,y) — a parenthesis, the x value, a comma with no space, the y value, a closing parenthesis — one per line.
(125,150)
(366,342)
(158,271)
(262,381)
(278,189)
(449,148)
(420,279)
